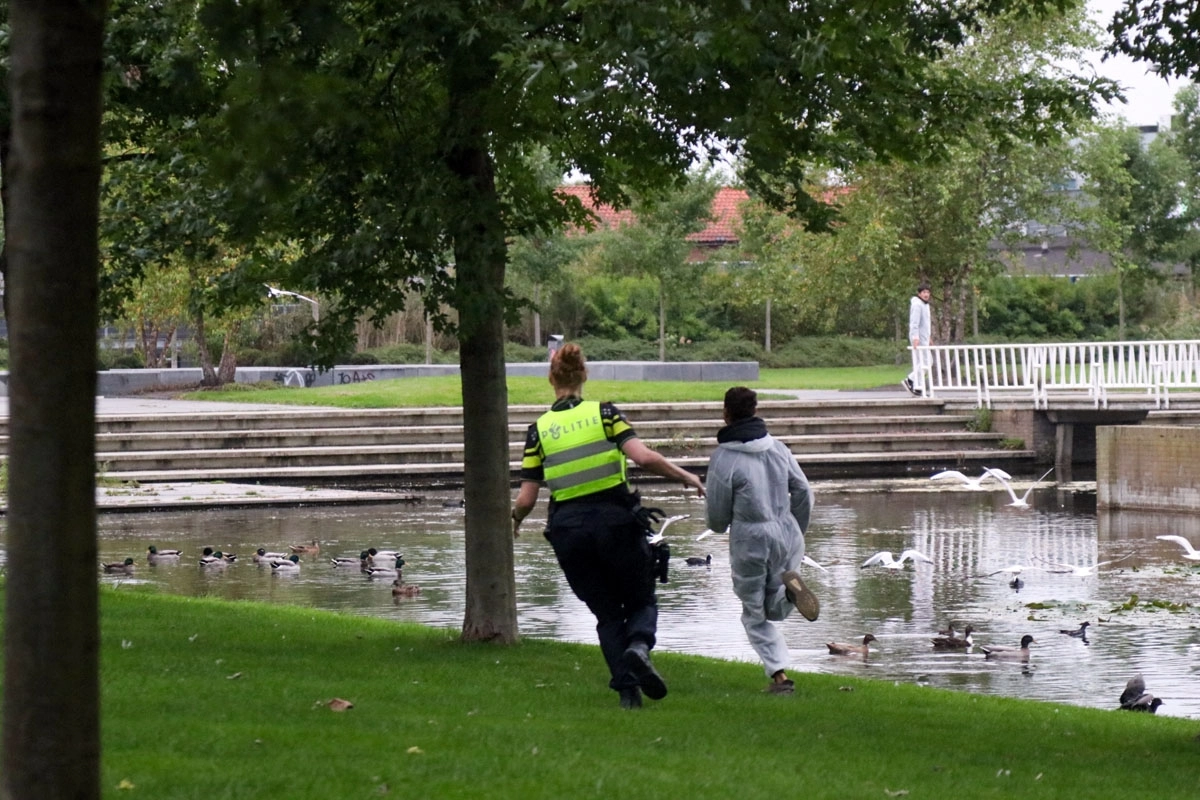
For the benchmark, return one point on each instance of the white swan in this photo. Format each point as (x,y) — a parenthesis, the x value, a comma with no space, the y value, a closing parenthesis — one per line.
(975,484)
(1189,552)
(884,559)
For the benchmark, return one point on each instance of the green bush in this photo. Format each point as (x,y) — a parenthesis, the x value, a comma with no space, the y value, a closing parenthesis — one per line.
(1040,309)
(253,357)
(411,353)
(836,351)
(720,350)
(597,349)
(362,358)
(515,353)
(131,360)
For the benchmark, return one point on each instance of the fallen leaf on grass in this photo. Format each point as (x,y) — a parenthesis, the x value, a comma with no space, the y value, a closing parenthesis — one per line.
(338,704)
(125,784)
(414,750)
(897,793)
(233,677)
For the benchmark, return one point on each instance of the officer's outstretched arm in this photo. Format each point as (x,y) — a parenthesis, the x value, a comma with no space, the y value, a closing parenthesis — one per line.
(635,450)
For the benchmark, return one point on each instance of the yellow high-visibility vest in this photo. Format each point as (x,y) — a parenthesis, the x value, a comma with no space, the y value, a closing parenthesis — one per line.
(579,458)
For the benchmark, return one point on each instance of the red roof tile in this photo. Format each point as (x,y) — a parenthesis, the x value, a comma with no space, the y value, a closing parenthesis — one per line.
(722,229)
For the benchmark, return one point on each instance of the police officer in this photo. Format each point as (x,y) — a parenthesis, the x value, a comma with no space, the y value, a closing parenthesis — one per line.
(596,524)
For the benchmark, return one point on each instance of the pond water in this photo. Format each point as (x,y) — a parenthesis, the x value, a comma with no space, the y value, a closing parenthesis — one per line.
(969,535)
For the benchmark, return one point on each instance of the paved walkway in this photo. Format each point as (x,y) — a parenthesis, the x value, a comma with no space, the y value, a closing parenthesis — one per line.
(181,496)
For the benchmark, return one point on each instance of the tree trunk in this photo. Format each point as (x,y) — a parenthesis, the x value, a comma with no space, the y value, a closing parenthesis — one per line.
(662,322)
(51,727)
(148,336)
(208,370)
(5,149)
(767,328)
(480,255)
(428,339)
(227,369)
(1120,304)
(537,316)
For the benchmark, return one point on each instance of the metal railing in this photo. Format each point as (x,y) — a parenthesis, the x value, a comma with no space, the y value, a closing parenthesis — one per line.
(1033,371)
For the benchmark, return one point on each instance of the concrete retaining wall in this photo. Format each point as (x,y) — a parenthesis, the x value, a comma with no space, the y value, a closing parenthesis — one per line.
(1148,468)
(118,382)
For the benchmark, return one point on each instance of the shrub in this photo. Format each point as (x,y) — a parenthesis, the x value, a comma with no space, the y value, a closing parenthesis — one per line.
(411,353)
(721,350)
(596,349)
(515,353)
(363,358)
(132,360)
(836,351)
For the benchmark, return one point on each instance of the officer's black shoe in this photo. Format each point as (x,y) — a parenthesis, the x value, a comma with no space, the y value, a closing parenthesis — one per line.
(636,662)
(631,698)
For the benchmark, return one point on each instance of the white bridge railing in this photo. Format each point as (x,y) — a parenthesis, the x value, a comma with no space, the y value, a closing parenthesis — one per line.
(1033,371)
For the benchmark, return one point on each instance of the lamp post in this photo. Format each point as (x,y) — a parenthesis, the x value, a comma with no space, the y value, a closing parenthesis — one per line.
(273,292)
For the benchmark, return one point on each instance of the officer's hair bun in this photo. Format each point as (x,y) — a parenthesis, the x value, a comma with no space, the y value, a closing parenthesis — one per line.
(567,367)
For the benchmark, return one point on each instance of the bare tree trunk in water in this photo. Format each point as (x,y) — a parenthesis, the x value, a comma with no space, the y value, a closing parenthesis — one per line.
(51,728)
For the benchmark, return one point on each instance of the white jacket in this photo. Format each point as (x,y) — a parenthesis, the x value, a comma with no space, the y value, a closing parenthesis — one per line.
(746,486)
(920,327)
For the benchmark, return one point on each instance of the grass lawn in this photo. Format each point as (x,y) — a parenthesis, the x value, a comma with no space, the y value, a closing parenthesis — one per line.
(211,699)
(447,391)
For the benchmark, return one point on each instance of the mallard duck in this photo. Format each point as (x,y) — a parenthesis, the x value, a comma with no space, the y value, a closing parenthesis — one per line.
(402,589)
(261,556)
(215,558)
(156,556)
(1009,653)
(306,549)
(951,642)
(1078,633)
(1134,688)
(229,558)
(382,554)
(884,559)
(843,649)
(383,559)
(1145,702)
(350,561)
(696,561)
(125,566)
(386,572)
(289,564)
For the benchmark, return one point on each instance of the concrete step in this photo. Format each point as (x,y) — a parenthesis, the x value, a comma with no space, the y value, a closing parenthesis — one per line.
(280,438)
(452,451)
(300,417)
(816,466)
(865,436)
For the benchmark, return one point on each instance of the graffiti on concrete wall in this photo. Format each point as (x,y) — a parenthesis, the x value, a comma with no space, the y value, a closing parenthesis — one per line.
(300,378)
